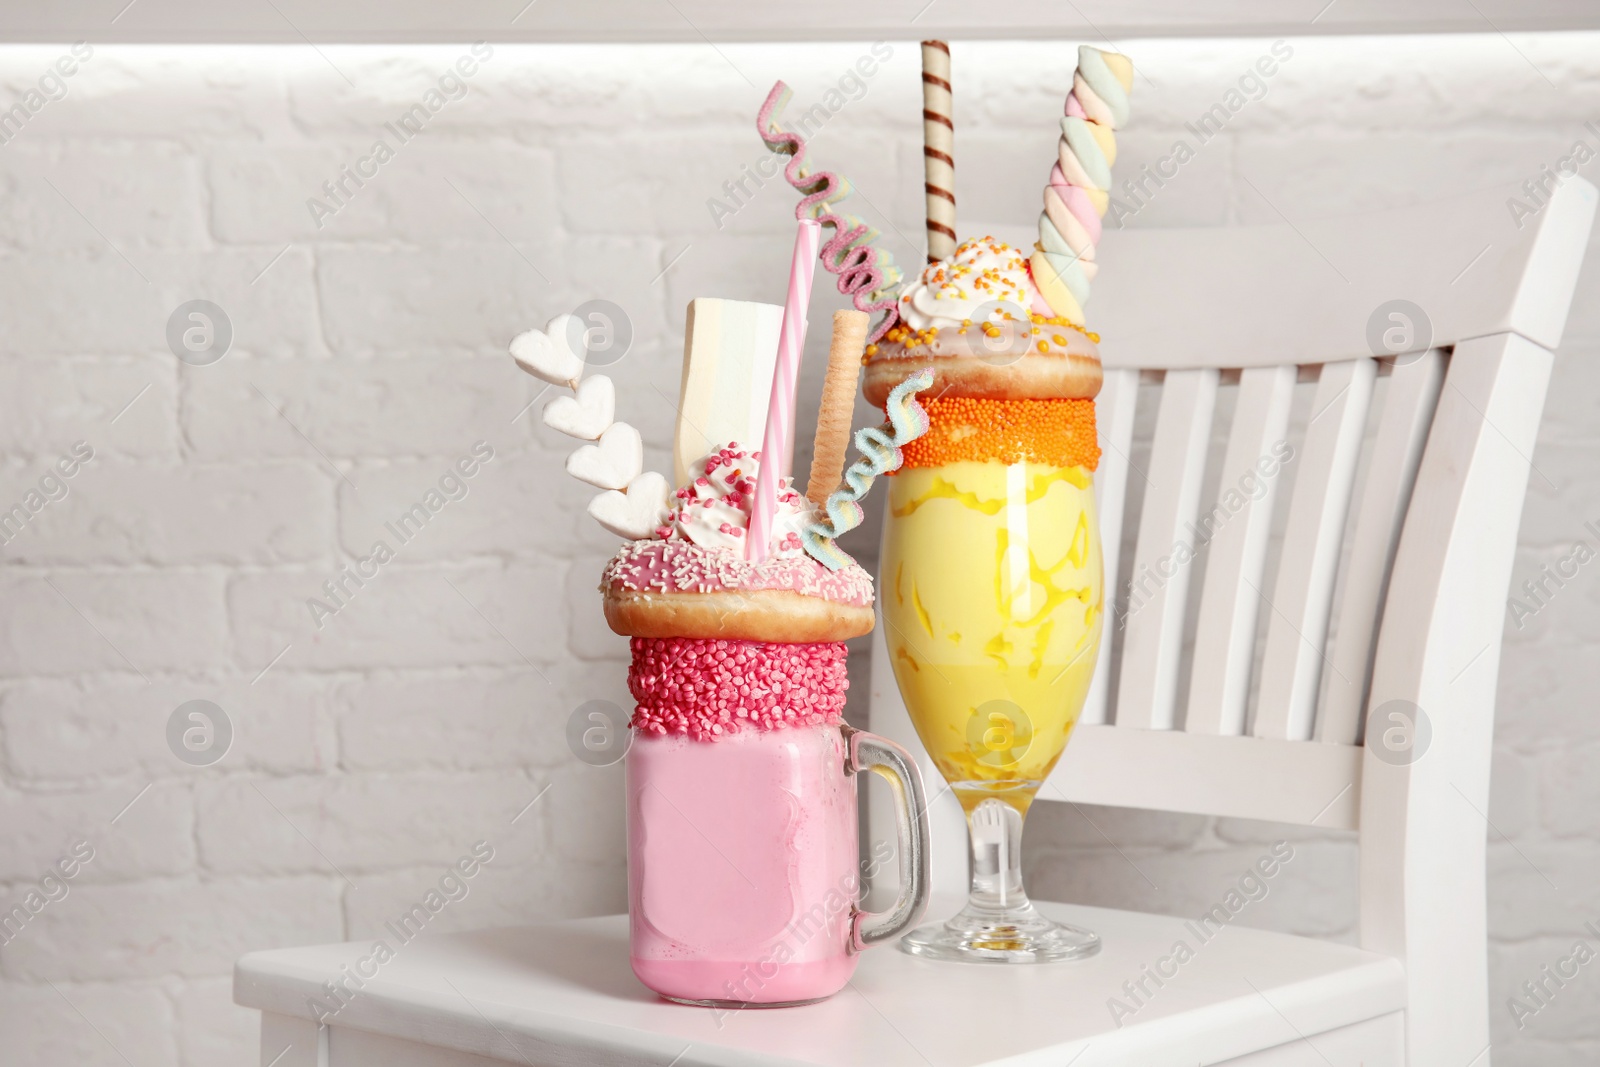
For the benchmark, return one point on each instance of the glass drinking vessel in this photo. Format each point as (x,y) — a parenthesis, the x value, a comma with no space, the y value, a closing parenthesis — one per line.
(991,589)
(743,872)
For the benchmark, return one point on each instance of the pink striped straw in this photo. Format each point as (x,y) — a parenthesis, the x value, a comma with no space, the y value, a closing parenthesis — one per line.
(778,442)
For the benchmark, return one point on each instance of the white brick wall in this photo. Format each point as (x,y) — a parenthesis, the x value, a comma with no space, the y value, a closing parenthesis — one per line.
(369,355)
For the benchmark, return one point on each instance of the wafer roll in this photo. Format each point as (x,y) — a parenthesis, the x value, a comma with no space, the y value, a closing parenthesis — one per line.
(838,404)
(938,144)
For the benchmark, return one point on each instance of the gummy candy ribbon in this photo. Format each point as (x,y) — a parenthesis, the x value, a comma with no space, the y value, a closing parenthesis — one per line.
(867,274)
(880,453)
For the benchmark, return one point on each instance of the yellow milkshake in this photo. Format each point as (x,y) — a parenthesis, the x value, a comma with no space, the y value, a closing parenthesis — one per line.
(991,579)
(992,593)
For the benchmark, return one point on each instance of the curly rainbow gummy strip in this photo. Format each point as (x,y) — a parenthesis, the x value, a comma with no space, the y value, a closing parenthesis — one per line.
(1080,182)
(867,274)
(880,453)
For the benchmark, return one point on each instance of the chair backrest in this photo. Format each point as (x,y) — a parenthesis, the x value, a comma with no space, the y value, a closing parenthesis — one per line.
(1297,531)
(1246,612)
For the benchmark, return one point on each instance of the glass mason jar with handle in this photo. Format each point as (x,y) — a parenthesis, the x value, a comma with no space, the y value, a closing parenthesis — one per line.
(743,869)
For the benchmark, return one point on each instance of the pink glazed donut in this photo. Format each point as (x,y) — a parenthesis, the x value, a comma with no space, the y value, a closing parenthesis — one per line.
(663,589)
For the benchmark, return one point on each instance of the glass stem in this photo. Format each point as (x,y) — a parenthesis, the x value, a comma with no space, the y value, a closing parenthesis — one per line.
(995,830)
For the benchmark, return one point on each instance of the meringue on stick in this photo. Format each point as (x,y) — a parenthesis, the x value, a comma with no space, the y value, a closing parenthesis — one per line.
(634,499)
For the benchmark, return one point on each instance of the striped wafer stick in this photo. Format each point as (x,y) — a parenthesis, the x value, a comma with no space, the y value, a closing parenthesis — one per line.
(838,404)
(938,143)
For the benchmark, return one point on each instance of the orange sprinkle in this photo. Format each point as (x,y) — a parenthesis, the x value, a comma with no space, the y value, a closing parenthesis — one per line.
(910,339)
(1060,433)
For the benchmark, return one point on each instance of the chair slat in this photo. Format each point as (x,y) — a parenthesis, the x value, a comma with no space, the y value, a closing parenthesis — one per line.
(1299,603)
(1237,527)
(1114,409)
(1407,415)
(1153,620)
(1243,777)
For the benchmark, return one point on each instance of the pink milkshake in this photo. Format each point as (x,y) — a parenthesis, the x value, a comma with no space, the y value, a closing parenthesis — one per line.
(742,865)
(743,873)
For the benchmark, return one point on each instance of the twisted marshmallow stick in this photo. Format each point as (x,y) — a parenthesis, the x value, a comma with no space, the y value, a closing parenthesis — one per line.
(880,453)
(867,274)
(938,144)
(1078,193)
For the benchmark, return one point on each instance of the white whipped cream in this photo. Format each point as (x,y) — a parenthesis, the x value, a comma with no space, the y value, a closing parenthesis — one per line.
(984,281)
(713,511)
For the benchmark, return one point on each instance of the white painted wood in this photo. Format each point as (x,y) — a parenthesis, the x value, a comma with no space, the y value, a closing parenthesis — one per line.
(1550,266)
(1397,450)
(1377,1042)
(1237,533)
(1302,597)
(1423,823)
(348,1047)
(699,21)
(565,994)
(1266,295)
(946,820)
(1114,411)
(1374,1043)
(1242,777)
(1153,621)
(290,1041)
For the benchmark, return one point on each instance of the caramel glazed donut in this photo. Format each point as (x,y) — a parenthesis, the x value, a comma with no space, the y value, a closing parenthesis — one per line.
(692,581)
(980,322)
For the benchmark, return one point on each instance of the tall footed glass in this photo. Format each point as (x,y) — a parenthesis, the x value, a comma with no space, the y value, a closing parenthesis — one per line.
(992,591)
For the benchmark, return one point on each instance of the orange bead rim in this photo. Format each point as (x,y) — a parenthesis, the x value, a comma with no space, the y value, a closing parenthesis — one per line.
(1056,433)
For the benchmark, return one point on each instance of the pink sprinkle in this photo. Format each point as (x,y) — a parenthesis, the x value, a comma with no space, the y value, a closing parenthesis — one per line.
(668,566)
(705,688)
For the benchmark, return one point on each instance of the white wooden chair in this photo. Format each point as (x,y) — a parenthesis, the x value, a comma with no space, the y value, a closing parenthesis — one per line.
(1390,598)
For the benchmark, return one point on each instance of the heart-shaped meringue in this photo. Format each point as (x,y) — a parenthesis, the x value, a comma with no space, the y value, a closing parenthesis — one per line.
(636,513)
(541,357)
(569,334)
(612,462)
(587,415)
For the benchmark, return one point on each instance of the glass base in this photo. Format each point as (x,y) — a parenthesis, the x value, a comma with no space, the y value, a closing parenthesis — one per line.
(740,1005)
(1001,935)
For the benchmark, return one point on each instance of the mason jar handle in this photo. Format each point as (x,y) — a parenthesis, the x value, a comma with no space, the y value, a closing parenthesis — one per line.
(894,764)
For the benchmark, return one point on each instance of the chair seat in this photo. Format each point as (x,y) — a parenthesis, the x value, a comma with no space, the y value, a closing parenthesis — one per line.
(564,993)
